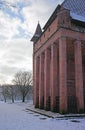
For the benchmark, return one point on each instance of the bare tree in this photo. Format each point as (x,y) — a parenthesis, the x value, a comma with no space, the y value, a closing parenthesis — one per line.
(9,92)
(12,92)
(24,81)
(5,92)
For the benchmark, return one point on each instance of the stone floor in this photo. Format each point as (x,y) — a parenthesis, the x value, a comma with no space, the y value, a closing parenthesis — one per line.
(52,114)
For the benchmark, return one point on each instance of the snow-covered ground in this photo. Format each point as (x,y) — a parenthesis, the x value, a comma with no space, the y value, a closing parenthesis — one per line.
(15,117)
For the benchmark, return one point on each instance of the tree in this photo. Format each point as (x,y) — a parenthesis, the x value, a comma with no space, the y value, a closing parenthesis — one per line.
(8,92)
(5,92)
(24,81)
(12,92)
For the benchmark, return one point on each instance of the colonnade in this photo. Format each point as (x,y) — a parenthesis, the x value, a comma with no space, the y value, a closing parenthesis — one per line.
(50,77)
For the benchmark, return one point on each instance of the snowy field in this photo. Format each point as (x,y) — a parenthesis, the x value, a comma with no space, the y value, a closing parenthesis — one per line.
(15,117)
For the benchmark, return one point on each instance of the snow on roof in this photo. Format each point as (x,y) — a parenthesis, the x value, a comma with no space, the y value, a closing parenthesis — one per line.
(75,6)
(77,17)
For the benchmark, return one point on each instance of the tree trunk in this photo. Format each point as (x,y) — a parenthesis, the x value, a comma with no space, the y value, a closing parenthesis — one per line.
(12,99)
(23,99)
(5,99)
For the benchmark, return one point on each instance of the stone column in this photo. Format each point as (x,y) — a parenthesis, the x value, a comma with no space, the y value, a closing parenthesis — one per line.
(79,76)
(47,80)
(36,84)
(33,78)
(41,82)
(54,76)
(63,74)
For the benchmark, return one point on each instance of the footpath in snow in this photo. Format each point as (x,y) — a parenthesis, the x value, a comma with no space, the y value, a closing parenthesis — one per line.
(15,117)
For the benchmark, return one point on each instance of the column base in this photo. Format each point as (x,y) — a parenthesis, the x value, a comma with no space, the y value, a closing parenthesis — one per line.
(37,106)
(55,106)
(41,104)
(37,103)
(47,106)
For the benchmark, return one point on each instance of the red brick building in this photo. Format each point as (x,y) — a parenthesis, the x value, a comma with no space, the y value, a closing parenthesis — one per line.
(59,59)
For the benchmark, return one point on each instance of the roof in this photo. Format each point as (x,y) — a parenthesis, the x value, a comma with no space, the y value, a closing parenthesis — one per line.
(77,9)
(77,17)
(37,33)
(77,13)
(75,6)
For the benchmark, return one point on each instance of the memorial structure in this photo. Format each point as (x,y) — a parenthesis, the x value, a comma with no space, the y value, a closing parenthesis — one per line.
(59,59)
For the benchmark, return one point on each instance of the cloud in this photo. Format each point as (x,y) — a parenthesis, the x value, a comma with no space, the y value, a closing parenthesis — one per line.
(39,10)
(18,21)
(8,27)
(21,20)
(14,56)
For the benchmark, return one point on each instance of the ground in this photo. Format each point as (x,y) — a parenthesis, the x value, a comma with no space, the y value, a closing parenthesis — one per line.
(16,117)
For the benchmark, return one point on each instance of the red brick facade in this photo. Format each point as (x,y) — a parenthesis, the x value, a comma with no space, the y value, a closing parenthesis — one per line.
(59,65)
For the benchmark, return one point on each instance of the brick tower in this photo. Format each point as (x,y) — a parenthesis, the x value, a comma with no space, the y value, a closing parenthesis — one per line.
(59,59)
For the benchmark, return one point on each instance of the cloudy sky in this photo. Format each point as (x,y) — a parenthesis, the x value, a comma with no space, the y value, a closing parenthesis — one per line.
(18,21)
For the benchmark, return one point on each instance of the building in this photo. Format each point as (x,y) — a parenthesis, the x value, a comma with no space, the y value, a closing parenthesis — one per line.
(59,59)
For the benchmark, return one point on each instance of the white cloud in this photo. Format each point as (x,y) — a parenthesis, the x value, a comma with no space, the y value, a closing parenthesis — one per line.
(12,1)
(38,11)
(8,26)
(14,56)
(16,52)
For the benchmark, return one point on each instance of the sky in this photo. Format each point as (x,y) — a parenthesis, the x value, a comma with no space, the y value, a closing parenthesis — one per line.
(18,21)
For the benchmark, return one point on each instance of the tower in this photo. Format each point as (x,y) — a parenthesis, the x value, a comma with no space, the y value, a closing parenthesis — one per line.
(37,33)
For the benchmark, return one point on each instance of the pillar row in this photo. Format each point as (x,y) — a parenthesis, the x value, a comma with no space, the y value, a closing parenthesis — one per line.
(62,74)
(54,76)
(79,75)
(47,79)
(36,84)
(41,81)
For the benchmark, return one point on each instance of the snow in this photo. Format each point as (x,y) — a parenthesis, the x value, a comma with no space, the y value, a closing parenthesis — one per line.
(15,117)
(77,17)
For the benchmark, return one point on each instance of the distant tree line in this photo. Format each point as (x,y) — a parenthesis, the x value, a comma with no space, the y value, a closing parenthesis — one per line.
(21,89)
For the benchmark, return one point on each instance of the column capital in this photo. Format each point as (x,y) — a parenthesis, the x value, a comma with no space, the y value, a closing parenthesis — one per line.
(62,37)
(37,57)
(53,46)
(77,41)
(41,55)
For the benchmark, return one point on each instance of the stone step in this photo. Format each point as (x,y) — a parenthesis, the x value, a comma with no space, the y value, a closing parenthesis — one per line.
(52,114)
